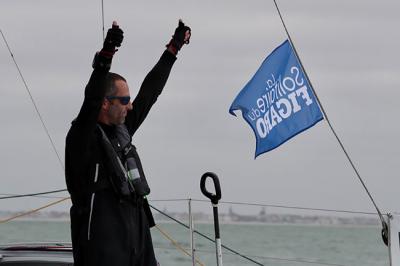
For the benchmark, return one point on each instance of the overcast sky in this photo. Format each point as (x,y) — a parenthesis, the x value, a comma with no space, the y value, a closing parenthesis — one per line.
(350,50)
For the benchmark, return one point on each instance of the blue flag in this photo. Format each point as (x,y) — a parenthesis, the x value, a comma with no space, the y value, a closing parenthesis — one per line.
(278,102)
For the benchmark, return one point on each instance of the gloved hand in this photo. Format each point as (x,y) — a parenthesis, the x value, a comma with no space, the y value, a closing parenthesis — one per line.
(181,36)
(113,39)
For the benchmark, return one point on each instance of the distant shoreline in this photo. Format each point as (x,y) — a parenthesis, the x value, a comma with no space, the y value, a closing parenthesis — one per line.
(368,224)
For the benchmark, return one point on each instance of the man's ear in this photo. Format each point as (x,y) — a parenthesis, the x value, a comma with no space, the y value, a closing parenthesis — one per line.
(105,105)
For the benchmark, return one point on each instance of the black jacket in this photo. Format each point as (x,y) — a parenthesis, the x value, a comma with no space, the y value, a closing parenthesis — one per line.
(84,157)
(105,229)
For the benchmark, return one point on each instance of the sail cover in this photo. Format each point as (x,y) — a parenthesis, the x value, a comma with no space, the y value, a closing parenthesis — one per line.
(278,102)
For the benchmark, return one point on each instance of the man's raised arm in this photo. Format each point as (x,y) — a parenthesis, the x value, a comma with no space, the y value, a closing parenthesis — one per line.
(156,79)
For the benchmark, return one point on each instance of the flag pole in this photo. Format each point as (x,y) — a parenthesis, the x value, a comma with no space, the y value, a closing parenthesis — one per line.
(329,123)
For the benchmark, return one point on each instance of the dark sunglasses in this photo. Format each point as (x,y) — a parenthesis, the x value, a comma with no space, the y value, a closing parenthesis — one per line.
(124,100)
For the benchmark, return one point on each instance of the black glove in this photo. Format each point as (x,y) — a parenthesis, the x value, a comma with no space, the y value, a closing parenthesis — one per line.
(113,39)
(178,39)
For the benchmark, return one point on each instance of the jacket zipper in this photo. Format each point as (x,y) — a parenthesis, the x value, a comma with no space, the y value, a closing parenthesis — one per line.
(92,201)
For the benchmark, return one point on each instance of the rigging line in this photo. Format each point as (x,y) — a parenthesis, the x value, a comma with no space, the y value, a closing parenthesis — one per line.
(42,197)
(209,251)
(32,194)
(11,196)
(203,235)
(102,16)
(33,101)
(237,253)
(34,210)
(287,207)
(329,123)
(283,259)
(166,200)
(299,261)
(176,244)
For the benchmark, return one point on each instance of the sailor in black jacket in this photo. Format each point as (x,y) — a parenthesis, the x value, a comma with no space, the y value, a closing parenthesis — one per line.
(110,217)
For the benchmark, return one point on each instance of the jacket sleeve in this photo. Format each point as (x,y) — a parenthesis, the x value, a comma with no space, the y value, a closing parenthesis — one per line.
(82,131)
(151,87)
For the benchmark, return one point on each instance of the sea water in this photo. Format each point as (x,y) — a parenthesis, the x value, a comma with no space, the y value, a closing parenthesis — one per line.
(278,245)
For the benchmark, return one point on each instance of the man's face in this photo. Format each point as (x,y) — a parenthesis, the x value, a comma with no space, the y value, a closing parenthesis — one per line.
(117,111)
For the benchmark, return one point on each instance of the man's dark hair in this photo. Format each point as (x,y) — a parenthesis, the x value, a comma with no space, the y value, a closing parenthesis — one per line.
(110,80)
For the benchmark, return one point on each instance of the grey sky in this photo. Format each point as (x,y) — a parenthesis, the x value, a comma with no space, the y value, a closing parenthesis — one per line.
(349,49)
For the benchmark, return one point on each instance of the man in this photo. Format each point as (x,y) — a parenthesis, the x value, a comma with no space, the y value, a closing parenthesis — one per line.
(110,217)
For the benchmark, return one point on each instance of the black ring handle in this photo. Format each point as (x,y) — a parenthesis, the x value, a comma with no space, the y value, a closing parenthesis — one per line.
(213,197)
